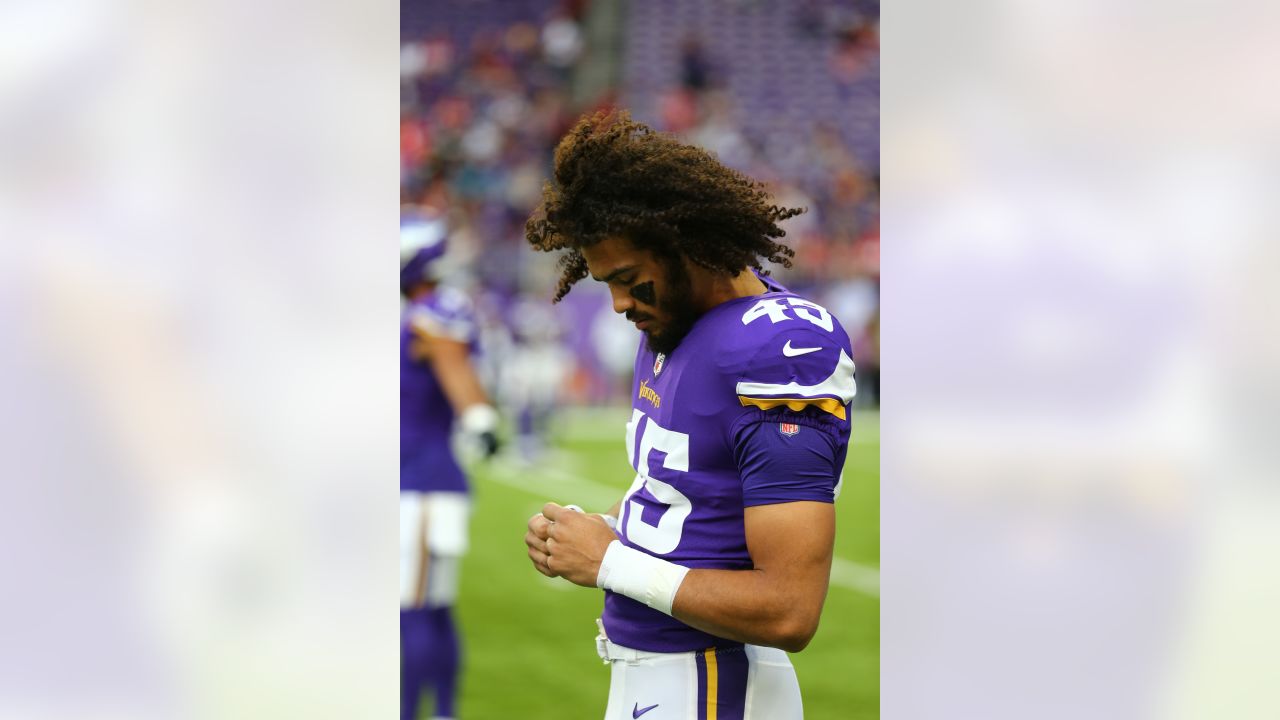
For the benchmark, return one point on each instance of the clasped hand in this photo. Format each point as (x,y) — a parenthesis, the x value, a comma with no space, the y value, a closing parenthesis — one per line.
(564,542)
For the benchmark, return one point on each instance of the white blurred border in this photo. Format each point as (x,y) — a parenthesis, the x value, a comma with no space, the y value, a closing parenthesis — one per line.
(198,210)
(1079,397)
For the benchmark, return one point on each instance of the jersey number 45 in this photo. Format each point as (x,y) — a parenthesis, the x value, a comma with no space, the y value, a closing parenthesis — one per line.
(665,536)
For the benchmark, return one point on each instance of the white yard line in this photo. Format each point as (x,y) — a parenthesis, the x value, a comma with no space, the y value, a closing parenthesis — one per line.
(561,486)
(555,485)
(854,576)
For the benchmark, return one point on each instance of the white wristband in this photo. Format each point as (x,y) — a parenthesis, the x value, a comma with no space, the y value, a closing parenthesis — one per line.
(478,418)
(640,576)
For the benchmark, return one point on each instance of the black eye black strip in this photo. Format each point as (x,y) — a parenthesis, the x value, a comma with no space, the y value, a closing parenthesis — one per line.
(644,293)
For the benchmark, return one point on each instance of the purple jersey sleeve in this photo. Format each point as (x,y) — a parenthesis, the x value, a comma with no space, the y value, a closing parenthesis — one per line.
(795,385)
(787,457)
(446,313)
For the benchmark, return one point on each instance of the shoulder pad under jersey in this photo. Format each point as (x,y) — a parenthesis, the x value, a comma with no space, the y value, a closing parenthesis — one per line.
(785,351)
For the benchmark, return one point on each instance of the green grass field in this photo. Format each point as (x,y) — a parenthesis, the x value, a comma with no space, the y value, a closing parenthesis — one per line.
(529,640)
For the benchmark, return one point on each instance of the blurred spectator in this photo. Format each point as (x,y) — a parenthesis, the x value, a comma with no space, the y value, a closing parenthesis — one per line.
(679,110)
(695,68)
(486,96)
(858,44)
(562,41)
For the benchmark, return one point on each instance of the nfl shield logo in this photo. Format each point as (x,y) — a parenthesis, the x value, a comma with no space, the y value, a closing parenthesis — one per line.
(788,429)
(657,363)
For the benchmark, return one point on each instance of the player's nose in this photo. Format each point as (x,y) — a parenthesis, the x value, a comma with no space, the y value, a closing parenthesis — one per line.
(622,300)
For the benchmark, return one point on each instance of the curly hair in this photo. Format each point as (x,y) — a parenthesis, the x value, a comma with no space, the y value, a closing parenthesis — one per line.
(617,177)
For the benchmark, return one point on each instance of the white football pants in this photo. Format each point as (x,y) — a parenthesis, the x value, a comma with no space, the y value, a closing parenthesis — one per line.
(751,683)
(433,539)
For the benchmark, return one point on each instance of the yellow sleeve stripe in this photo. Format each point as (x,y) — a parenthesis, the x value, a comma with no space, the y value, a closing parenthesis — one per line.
(831,405)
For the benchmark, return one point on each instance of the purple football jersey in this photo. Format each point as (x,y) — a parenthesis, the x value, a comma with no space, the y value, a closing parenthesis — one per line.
(426,419)
(775,363)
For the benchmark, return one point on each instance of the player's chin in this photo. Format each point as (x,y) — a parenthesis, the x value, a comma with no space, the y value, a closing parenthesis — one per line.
(655,339)
(662,342)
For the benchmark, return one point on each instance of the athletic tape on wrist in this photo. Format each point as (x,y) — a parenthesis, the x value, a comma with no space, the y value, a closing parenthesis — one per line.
(609,520)
(641,577)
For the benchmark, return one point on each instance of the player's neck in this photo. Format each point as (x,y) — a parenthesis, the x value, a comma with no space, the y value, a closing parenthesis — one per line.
(720,288)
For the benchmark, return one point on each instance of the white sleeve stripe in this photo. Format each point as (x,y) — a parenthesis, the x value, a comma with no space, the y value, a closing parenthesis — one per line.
(432,324)
(840,385)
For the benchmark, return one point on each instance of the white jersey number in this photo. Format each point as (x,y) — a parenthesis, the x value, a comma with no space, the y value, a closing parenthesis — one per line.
(665,536)
(773,309)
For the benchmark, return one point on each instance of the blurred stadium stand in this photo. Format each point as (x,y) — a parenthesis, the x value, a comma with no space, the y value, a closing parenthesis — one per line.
(785,91)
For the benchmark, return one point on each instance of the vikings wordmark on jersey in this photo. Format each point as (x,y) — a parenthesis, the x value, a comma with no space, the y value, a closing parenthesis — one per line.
(774,361)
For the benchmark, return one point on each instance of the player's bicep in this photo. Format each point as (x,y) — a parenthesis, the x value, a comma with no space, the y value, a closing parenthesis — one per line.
(450,359)
(451,362)
(793,539)
(446,351)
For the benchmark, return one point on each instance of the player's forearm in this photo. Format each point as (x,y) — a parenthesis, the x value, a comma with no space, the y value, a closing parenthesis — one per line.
(752,606)
(477,420)
(461,385)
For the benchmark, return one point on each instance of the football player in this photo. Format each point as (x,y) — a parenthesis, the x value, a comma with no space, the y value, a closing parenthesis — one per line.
(716,561)
(437,382)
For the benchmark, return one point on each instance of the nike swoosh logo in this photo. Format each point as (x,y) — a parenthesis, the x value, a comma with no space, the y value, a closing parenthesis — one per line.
(637,712)
(792,352)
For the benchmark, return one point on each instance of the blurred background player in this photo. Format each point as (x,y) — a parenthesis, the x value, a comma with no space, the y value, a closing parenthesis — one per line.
(438,335)
(533,375)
